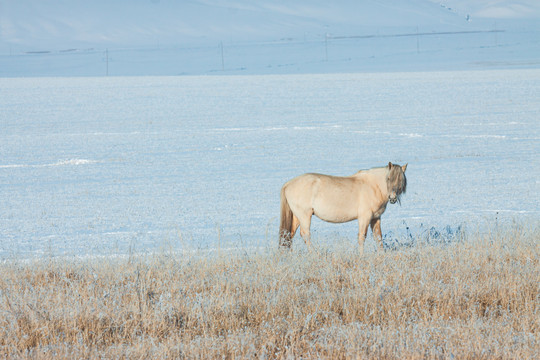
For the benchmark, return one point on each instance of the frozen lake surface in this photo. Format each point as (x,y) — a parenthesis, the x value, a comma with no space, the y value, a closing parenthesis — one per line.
(100,166)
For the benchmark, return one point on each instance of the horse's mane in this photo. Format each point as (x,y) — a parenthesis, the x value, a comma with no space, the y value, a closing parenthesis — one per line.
(370,169)
(373,168)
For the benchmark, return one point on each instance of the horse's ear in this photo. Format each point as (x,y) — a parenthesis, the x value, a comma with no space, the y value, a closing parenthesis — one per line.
(390,166)
(404,167)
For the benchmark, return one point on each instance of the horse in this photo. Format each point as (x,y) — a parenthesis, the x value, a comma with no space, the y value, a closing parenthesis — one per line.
(335,199)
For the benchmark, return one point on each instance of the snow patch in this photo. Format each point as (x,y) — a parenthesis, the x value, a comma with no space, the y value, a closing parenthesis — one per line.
(411,135)
(74,162)
(70,162)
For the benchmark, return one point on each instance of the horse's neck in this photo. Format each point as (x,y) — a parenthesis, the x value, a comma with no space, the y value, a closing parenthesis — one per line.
(375,176)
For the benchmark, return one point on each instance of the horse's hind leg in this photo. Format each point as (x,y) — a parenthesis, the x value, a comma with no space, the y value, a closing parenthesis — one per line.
(288,235)
(295,225)
(305,224)
(376,230)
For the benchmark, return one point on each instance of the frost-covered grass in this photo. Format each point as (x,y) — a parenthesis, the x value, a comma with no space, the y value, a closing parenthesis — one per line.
(474,298)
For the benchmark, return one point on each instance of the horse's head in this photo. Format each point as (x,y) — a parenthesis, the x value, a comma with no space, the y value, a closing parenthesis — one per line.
(396,182)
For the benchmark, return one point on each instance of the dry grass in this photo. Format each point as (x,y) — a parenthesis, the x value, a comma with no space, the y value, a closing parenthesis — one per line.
(474,299)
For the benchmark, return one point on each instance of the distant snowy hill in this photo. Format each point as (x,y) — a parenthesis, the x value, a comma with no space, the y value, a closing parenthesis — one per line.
(166,27)
(63,24)
(494,9)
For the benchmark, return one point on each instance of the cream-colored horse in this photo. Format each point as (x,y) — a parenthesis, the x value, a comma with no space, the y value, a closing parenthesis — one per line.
(361,196)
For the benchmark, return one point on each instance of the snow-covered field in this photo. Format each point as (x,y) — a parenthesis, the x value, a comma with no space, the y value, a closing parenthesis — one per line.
(100,166)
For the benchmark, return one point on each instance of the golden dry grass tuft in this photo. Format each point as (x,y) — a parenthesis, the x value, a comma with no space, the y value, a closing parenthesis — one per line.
(473,299)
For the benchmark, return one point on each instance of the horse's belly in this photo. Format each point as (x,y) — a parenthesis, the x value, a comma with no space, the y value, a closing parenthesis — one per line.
(336,219)
(335,214)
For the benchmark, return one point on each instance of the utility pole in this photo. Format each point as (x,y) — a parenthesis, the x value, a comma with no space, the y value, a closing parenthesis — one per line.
(326,36)
(326,46)
(417,41)
(222,56)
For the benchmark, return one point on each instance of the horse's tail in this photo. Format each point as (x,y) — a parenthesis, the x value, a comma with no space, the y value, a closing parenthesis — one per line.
(286,222)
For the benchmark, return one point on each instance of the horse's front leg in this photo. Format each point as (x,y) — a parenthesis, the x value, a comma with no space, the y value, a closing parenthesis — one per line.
(376,230)
(363,224)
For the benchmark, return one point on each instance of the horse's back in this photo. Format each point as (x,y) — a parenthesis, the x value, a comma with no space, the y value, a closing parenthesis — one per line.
(302,187)
(313,182)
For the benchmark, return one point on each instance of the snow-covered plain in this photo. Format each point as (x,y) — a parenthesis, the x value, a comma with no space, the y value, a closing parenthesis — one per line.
(100,166)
